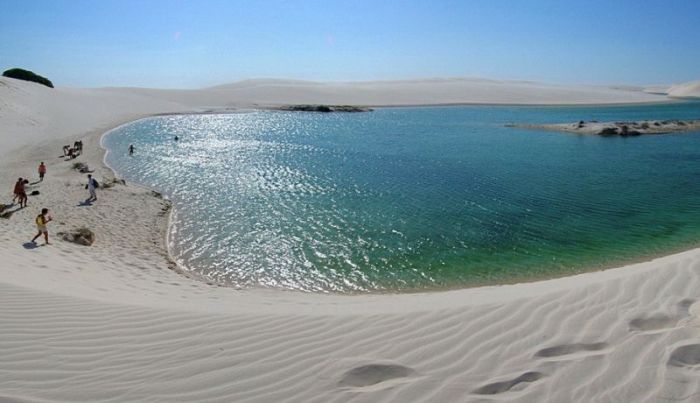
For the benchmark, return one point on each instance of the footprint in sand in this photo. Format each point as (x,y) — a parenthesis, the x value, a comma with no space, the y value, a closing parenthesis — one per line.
(572,350)
(505,386)
(687,356)
(374,374)
(685,304)
(654,322)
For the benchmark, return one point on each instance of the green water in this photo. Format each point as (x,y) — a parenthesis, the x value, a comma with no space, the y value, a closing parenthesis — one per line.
(414,198)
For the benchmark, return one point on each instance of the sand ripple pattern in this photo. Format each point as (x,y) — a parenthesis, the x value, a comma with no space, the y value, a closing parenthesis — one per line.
(586,343)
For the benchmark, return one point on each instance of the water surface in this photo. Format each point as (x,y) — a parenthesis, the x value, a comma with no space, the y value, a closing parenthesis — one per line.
(414,198)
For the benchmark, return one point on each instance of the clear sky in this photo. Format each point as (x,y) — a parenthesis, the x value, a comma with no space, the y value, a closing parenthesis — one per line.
(190,44)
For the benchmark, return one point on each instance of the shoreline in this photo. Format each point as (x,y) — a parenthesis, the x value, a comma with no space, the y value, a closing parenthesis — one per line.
(181,268)
(173,264)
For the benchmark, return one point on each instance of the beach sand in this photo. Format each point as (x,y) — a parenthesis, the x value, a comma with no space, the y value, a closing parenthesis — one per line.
(115,322)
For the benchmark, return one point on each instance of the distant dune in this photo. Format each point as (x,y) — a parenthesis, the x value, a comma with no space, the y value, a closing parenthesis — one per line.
(685,90)
(275,92)
(36,108)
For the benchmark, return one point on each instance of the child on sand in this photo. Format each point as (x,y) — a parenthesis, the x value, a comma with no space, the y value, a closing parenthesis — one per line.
(41,221)
(42,171)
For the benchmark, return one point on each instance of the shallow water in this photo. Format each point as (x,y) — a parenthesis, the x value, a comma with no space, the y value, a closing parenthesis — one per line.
(414,198)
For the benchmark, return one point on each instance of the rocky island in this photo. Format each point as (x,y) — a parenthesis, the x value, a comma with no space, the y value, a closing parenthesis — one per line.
(324,108)
(623,129)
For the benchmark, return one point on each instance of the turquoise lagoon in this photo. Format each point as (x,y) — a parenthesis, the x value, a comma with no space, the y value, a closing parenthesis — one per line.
(405,199)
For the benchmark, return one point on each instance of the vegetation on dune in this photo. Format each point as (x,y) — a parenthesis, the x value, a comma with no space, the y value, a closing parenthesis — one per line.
(27,75)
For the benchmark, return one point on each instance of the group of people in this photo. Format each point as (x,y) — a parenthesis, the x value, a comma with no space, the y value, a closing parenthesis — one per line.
(20,195)
(20,190)
(42,220)
(72,152)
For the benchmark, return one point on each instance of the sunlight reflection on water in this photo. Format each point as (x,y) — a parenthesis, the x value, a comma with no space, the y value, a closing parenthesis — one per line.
(412,198)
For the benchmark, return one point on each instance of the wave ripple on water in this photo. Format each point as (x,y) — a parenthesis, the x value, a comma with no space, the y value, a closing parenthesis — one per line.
(412,198)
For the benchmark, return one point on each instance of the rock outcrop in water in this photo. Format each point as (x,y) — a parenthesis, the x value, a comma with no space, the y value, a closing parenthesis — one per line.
(623,129)
(324,108)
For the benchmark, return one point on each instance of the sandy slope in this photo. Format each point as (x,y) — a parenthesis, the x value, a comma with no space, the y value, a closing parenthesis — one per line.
(408,92)
(685,90)
(112,322)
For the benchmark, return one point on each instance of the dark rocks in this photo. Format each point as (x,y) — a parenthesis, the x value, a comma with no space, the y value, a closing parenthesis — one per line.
(81,236)
(324,108)
(625,131)
(164,209)
(608,131)
(5,211)
(81,167)
(114,181)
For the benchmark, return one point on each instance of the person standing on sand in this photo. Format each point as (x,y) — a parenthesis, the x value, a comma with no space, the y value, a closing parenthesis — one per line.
(131,149)
(41,221)
(18,188)
(21,192)
(91,187)
(42,171)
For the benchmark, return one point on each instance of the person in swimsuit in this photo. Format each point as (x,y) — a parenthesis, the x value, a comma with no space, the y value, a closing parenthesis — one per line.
(18,188)
(22,193)
(41,221)
(42,171)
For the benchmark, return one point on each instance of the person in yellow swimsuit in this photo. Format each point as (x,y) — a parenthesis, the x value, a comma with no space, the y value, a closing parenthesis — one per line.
(41,221)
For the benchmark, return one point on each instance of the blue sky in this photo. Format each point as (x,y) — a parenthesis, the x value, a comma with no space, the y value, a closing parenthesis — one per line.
(191,44)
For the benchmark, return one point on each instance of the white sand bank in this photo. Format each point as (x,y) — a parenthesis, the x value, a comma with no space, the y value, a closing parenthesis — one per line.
(408,92)
(685,90)
(112,322)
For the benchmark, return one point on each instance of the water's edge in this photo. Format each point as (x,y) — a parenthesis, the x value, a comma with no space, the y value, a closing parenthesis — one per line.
(181,268)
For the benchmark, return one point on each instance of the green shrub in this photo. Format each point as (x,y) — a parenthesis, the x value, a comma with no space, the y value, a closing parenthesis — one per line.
(27,75)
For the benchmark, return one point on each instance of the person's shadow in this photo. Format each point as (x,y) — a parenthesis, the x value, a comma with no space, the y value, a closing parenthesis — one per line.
(7,213)
(85,203)
(30,245)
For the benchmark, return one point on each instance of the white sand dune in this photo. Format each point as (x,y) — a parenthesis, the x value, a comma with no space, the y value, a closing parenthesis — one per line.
(408,92)
(685,90)
(113,322)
